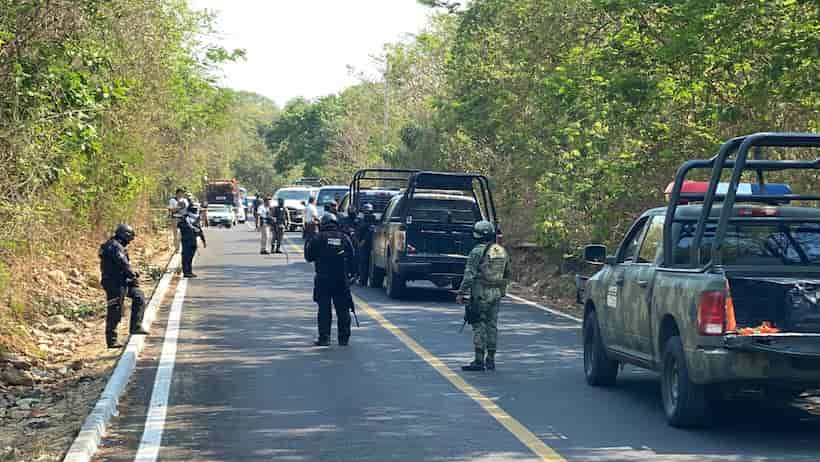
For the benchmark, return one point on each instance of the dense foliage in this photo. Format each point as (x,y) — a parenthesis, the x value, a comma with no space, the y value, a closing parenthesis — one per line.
(580,110)
(106,106)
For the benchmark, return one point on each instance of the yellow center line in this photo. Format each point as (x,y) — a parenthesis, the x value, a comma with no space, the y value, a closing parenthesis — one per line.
(515,427)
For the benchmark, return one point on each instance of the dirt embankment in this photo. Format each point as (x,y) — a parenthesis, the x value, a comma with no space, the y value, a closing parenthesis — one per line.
(539,278)
(53,359)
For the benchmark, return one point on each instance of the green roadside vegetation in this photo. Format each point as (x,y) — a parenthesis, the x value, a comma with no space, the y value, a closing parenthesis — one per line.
(106,106)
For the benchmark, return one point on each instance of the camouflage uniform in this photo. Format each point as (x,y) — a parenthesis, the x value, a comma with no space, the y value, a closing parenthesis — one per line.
(486,276)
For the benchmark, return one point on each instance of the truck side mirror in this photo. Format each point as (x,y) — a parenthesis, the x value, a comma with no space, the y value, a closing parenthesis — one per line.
(595,254)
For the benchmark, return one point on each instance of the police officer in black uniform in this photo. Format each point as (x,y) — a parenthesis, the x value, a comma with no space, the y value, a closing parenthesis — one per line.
(190,229)
(364,238)
(332,253)
(120,281)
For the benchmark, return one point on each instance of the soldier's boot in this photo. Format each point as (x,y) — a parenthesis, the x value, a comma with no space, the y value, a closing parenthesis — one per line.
(490,362)
(111,340)
(478,362)
(322,341)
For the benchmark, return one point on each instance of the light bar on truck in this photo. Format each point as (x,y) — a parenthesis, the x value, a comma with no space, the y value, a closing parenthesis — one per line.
(743,189)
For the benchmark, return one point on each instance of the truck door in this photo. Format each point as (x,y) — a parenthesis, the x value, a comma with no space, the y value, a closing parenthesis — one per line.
(638,287)
(621,288)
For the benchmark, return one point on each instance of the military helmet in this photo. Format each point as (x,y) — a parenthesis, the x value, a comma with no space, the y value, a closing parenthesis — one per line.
(367,208)
(484,231)
(328,219)
(124,233)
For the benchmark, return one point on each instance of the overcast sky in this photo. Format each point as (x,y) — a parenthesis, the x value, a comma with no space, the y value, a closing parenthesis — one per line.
(304,47)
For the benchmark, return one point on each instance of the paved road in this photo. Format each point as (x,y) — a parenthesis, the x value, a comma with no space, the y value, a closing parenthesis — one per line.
(248,385)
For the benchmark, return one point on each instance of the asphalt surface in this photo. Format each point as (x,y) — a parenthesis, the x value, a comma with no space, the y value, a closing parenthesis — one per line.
(248,384)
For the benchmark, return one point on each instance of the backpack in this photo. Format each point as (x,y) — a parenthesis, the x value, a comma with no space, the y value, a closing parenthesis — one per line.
(492,266)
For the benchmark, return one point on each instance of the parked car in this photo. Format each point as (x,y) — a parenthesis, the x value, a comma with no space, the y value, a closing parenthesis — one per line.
(220,214)
(718,291)
(427,232)
(327,194)
(295,199)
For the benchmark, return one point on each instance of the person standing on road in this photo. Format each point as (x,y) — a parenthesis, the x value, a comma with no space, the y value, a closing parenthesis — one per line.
(257,202)
(190,229)
(176,210)
(120,281)
(280,222)
(486,277)
(311,219)
(364,237)
(263,223)
(332,254)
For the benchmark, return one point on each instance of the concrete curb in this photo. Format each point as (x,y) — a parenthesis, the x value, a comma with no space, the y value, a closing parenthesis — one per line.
(88,440)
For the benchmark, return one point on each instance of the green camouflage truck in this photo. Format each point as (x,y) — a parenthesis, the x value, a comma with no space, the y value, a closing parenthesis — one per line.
(719,290)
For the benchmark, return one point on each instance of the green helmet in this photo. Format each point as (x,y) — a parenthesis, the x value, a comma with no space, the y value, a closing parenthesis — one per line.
(484,231)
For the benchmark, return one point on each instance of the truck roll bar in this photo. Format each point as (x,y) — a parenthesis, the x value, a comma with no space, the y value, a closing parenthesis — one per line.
(718,163)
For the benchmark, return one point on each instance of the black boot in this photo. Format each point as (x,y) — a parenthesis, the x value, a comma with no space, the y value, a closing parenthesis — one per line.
(111,341)
(478,362)
(322,341)
(490,360)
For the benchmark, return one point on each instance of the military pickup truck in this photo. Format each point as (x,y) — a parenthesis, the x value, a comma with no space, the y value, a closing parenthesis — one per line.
(426,233)
(719,290)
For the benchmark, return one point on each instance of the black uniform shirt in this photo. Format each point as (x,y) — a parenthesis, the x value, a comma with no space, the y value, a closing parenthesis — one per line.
(332,253)
(114,264)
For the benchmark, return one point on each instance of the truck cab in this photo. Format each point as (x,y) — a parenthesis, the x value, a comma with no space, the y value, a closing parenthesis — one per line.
(717,291)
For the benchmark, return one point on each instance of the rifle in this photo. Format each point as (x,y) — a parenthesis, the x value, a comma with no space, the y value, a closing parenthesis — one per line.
(467,316)
(350,299)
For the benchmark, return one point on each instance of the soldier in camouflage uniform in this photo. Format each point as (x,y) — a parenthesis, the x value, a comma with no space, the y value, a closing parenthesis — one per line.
(485,280)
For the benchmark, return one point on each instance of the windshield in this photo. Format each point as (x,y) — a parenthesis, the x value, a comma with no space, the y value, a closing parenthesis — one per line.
(327,196)
(444,211)
(295,195)
(791,244)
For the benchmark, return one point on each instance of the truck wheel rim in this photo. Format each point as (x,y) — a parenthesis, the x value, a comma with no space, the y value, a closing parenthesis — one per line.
(672,383)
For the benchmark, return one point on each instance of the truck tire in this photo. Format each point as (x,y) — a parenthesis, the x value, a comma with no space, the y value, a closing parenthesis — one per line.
(685,403)
(395,284)
(599,370)
(376,276)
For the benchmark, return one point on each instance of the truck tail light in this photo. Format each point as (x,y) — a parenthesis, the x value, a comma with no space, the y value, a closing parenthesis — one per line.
(712,313)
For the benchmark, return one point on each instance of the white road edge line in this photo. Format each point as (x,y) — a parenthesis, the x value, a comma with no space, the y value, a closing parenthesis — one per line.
(87,442)
(544,308)
(158,408)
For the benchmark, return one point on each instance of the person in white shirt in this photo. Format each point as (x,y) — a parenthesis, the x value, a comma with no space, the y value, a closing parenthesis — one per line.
(263,222)
(311,219)
(177,208)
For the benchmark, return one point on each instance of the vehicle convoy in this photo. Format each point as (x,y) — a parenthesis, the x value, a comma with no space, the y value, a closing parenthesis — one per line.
(295,199)
(375,186)
(426,233)
(719,290)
